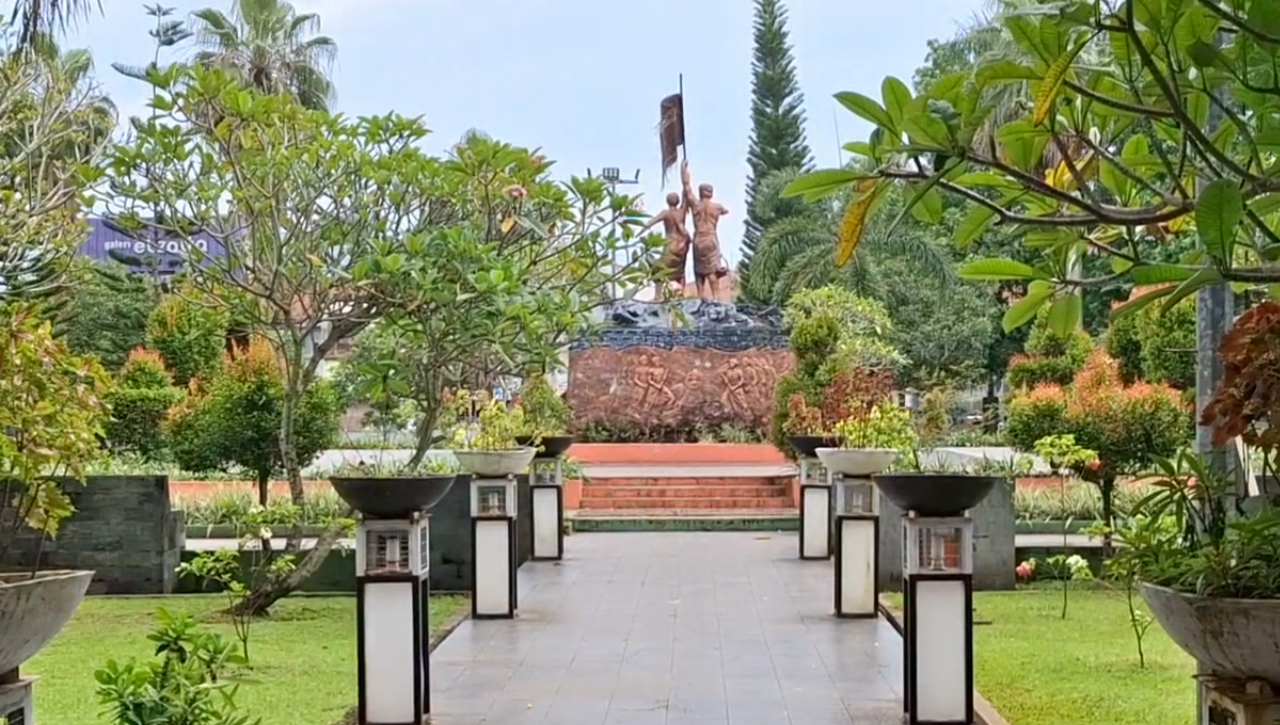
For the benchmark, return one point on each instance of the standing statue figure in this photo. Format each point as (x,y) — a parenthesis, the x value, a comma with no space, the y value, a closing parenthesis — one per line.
(671,268)
(708,264)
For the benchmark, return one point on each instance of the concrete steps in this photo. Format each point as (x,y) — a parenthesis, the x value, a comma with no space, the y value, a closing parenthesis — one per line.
(687,490)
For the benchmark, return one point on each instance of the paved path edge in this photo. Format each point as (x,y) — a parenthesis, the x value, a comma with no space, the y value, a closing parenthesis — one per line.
(983,712)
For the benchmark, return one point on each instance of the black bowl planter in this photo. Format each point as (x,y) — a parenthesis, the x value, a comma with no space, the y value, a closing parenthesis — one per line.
(936,495)
(807,446)
(391,497)
(551,446)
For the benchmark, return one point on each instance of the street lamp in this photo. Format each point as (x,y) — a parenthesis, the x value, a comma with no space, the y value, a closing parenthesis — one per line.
(612,176)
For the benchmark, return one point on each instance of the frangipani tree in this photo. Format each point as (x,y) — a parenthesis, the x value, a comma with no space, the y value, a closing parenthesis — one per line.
(512,281)
(1128,128)
(312,213)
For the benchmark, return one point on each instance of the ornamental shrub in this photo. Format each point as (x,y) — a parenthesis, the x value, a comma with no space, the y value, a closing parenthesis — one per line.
(235,419)
(1127,425)
(1050,357)
(140,404)
(191,337)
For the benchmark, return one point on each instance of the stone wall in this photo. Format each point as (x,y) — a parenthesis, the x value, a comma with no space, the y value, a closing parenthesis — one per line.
(697,364)
(124,529)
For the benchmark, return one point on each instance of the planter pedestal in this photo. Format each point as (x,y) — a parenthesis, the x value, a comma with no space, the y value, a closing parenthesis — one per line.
(857,527)
(815,510)
(16,703)
(938,634)
(393,620)
(493,542)
(546,489)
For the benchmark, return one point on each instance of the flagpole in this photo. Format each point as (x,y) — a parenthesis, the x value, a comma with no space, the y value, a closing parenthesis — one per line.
(684,126)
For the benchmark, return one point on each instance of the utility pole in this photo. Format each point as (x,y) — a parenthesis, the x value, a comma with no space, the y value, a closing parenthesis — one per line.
(612,176)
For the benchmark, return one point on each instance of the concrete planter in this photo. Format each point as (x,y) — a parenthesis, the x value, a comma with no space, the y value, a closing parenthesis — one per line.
(34,610)
(857,462)
(1233,638)
(495,464)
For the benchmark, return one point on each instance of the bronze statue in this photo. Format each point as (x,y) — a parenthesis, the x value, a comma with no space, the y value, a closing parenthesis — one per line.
(708,263)
(672,265)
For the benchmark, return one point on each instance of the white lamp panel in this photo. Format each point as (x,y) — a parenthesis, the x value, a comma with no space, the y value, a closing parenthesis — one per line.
(942,652)
(493,567)
(388,653)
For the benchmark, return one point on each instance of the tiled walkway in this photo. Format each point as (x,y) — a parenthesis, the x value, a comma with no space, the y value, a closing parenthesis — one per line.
(671,629)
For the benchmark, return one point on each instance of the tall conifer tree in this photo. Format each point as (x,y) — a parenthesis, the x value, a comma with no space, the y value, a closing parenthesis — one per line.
(777,119)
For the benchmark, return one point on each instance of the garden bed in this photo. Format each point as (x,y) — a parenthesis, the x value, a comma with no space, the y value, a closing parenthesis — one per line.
(1037,669)
(304,656)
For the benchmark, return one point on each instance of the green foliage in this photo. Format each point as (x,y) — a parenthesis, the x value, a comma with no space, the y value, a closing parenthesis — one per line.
(883,426)
(189,681)
(1081,135)
(140,405)
(942,329)
(53,414)
(191,335)
(107,314)
(545,412)
(237,419)
(1190,539)
(777,129)
(54,126)
(1168,344)
(1123,343)
(864,327)
(1052,357)
(499,428)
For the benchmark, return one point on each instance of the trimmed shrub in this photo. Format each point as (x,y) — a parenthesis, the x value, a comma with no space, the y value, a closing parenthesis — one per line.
(235,420)
(191,337)
(1050,358)
(140,404)
(1127,425)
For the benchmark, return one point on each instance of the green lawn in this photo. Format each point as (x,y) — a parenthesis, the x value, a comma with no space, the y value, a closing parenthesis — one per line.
(1038,669)
(303,657)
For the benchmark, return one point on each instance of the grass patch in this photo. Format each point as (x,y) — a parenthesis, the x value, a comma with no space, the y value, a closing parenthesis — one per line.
(1038,669)
(303,657)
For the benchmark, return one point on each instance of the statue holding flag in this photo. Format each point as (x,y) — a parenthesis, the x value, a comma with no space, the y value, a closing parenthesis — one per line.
(708,263)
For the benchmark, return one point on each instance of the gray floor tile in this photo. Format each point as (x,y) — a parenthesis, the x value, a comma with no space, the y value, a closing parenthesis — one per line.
(672,629)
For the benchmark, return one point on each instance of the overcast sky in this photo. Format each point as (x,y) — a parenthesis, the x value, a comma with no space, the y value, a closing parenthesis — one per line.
(582,80)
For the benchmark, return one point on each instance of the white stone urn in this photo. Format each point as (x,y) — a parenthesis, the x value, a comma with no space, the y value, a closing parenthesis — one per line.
(496,464)
(34,609)
(1231,638)
(857,462)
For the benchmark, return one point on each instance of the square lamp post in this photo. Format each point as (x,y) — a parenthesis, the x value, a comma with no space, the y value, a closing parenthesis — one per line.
(392,614)
(493,547)
(857,536)
(938,599)
(815,509)
(546,484)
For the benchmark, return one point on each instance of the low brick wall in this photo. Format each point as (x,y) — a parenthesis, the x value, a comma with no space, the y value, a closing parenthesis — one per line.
(124,529)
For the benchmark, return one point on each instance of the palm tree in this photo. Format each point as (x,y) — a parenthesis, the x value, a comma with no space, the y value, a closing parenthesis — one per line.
(34,18)
(271,47)
(795,253)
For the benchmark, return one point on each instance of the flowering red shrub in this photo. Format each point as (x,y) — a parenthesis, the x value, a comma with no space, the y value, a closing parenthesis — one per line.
(1125,425)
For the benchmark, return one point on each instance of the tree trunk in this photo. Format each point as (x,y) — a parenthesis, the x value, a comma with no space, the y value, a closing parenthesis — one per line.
(273,589)
(1107,487)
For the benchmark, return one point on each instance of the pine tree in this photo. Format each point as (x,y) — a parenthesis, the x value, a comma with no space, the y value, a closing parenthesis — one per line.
(777,119)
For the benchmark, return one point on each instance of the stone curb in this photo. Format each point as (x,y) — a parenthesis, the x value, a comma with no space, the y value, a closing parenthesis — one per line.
(983,712)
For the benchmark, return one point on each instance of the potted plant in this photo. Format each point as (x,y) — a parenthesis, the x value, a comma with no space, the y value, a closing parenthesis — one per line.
(388,490)
(492,451)
(1204,557)
(871,438)
(546,418)
(930,487)
(50,426)
(804,428)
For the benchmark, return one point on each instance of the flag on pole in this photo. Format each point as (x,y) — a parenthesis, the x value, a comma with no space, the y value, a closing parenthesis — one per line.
(671,130)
